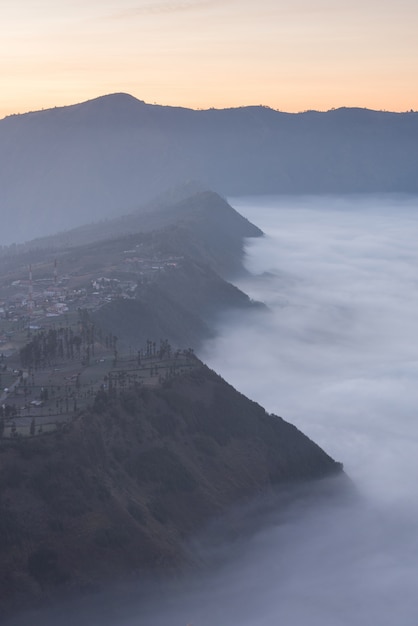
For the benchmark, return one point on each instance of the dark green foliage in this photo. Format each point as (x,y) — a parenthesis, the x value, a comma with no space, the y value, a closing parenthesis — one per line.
(136,512)
(29,449)
(175,400)
(162,466)
(112,537)
(43,566)
(56,525)
(164,423)
(119,453)
(130,403)
(159,510)
(205,445)
(123,487)
(102,492)
(11,477)
(61,490)
(228,416)
(11,532)
(101,402)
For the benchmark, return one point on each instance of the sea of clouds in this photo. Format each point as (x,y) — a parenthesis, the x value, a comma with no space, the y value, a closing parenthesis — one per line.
(337,355)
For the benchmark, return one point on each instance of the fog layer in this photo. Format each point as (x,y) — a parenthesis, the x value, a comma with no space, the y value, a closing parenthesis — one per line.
(338,356)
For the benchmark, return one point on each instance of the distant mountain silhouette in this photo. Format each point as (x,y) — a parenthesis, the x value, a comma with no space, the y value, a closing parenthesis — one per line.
(66,166)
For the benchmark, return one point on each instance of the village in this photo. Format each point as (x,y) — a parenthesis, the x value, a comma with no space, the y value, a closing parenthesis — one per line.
(54,362)
(35,292)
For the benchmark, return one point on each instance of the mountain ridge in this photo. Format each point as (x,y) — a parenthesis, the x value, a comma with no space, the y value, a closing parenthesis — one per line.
(105,157)
(113,455)
(132,478)
(125,99)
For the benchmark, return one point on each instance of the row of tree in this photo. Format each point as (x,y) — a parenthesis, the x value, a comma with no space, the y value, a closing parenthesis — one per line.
(61,343)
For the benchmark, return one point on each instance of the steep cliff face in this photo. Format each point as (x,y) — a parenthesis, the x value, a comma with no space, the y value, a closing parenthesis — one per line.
(132,478)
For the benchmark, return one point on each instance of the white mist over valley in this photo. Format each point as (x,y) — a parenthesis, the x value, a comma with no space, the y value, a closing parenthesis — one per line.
(336,354)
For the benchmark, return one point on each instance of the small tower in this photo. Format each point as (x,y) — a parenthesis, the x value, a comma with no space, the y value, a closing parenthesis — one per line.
(30,303)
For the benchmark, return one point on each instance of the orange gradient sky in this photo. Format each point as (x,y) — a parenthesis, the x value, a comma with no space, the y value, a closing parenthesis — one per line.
(290,55)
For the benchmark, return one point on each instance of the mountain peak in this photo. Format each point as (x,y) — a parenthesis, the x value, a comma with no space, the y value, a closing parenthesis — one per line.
(117,98)
(111,104)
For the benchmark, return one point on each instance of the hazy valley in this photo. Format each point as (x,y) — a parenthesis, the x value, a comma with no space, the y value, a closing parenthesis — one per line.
(137,485)
(117,442)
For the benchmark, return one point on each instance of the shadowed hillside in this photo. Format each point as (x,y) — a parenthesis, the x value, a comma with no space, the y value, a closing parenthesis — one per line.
(112,457)
(199,224)
(159,272)
(132,478)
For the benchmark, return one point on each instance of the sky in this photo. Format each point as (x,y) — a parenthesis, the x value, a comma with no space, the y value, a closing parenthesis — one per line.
(291,55)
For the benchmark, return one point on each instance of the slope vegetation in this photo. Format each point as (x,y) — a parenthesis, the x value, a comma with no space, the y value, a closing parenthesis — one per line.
(133,478)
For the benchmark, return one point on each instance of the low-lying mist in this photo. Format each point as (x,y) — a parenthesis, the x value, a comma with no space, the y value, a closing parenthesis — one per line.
(337,355)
